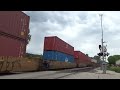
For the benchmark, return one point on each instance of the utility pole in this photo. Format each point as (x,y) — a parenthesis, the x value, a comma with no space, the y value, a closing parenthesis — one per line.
(103,61)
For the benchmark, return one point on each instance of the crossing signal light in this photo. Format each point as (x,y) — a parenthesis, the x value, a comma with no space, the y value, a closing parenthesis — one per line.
(100,46)
(100,54)
(108,54)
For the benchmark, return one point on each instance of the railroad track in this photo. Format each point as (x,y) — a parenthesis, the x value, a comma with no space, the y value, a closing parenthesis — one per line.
(61,73)
(47,74)
(75,71)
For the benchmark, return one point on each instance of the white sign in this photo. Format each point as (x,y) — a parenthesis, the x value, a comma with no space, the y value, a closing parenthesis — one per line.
(66,59)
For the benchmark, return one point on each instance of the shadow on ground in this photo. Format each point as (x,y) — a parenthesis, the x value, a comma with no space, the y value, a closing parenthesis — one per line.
(7,73)
(78,70)
(93,71)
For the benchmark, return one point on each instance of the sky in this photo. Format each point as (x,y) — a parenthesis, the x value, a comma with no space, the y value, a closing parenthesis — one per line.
(81,29)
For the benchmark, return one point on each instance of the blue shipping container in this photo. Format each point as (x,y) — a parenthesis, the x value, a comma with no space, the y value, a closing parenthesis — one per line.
(59,56)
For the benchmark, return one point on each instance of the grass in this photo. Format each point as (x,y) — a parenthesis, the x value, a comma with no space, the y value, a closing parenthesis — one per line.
(113,68)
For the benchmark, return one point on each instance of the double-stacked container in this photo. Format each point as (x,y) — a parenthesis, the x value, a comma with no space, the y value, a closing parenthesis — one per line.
(57,49)
(81,59)
(14,32)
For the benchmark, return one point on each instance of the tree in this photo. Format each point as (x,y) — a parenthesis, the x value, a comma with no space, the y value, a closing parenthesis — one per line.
(97,58)
(29,55)
(86,54)
(113,59)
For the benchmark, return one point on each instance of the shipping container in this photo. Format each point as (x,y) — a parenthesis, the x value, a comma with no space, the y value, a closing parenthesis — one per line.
(58,56)
(12,47)
(56,44)
(81,57)
(14,23)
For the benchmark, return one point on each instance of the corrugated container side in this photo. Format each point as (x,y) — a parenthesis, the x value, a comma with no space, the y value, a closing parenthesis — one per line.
(56,44)
(64,47)
(76,54)
(49,43)
(81,57)
(58,56)
(24,25)
(11,47)
(14,23)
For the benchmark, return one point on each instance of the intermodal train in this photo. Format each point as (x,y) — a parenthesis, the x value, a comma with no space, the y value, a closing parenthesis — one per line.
(57,54)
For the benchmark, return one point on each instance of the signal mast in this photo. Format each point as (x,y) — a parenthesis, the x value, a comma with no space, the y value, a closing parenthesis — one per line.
(103,51)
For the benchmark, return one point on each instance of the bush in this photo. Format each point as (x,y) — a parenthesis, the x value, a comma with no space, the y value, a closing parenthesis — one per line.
(33,56)
(116,69)
(113,59)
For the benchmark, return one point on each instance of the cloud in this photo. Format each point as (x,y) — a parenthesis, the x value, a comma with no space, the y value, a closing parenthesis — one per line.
(81,29)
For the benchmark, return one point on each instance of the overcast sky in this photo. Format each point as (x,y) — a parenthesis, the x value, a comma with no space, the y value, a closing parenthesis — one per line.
(81,29)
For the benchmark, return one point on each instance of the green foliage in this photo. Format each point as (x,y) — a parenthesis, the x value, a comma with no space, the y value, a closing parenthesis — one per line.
(29,55)
(116,69)
(113,59)
(97,58)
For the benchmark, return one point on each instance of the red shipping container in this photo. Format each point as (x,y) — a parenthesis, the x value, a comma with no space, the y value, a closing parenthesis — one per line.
(14,23)
(81,57)
(12,47)
(56,44)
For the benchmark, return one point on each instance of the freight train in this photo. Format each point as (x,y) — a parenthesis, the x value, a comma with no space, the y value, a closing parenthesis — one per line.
(57,54)
(58,64)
